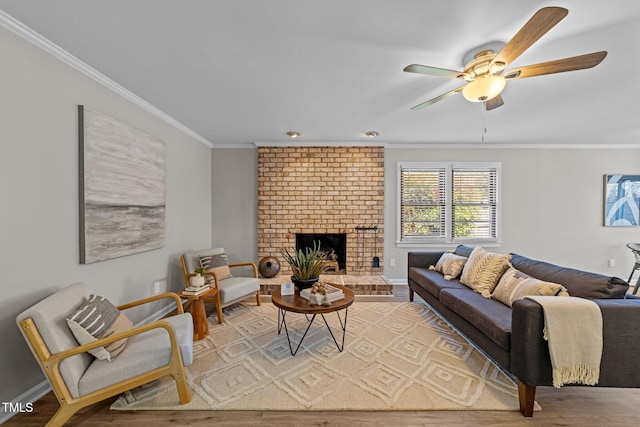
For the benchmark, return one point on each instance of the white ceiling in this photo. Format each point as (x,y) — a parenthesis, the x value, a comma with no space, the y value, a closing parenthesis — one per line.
(244,71)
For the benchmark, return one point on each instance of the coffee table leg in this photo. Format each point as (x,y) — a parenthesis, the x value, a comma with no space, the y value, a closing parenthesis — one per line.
(286,330)
(343,326)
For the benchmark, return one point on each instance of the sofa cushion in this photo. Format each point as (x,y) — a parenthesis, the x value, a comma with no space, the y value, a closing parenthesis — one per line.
(463,250)
(450,265)
(483,270)
(579,283)
(432,281)
(491,317)
(515,284)
(98,318)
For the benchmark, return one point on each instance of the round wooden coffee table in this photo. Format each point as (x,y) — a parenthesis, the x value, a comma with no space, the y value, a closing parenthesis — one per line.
(297,304)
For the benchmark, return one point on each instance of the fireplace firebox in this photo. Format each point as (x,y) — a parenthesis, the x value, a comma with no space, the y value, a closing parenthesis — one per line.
(333,246)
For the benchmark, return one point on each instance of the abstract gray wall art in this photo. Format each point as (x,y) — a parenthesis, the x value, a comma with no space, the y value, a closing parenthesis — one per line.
(122,188)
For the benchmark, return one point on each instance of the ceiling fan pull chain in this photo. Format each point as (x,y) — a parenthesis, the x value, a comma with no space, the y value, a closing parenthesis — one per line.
(484,123)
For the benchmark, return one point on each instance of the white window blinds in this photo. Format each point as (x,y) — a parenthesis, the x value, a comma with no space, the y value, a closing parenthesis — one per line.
(474,207)
(448,203)
(423,202)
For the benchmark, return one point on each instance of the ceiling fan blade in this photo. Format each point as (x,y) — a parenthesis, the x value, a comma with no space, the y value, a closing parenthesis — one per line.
(493,103)
(433,71)
(437,99)
(580,62)
(541,22)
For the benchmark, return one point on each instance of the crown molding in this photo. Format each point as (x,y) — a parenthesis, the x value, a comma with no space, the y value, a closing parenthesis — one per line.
(532,146)
(432,146)
(18,28)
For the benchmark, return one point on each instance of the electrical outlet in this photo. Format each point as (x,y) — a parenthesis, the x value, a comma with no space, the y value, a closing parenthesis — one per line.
(392,262)
(612,262)
(156,288)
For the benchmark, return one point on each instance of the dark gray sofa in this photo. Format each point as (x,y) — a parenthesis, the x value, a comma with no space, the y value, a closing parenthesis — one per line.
(512,336)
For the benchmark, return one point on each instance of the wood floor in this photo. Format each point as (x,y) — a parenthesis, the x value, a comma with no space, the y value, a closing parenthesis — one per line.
(568,406)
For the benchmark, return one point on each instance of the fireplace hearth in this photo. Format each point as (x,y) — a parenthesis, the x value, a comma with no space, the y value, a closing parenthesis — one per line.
(333,246)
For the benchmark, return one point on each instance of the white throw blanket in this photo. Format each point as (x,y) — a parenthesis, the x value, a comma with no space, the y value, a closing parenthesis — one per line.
(573,329)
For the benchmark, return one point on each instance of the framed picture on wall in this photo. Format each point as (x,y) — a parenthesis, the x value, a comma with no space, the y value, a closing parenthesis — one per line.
(621,200)
(122,188)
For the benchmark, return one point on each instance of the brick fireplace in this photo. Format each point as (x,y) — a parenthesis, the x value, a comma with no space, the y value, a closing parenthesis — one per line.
(322,190)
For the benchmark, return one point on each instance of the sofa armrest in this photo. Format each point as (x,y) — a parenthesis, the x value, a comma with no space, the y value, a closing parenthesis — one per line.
(530,361)
(423,259)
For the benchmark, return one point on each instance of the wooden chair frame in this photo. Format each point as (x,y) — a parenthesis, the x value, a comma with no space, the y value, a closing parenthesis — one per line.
(70,405)
(215,298)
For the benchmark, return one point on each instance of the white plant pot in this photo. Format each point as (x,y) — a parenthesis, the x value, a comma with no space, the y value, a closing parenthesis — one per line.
(196,280)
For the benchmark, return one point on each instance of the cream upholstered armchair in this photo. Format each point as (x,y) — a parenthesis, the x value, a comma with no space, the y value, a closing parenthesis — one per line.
(230,288)
(79,378)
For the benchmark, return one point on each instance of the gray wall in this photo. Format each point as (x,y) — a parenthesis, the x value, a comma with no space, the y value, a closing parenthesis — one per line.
(552,203)
(235,203)
(39,199)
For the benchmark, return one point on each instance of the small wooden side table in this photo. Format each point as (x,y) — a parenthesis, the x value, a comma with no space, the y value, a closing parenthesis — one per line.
(199,313)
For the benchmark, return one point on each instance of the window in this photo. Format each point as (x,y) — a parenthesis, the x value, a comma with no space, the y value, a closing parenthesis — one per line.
(448,203)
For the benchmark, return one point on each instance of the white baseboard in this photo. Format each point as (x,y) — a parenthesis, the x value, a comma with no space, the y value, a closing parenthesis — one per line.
(398,282)
(37,392)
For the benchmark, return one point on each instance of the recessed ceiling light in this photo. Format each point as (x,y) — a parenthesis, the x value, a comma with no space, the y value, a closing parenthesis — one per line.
(293,134)
(371,134)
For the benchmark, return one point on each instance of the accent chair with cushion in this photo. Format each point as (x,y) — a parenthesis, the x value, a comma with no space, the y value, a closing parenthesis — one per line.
(231,288)
(116,356)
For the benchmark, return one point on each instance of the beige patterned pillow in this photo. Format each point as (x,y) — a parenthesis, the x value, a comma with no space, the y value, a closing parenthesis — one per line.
(483,270)
(514,285)
(450,265)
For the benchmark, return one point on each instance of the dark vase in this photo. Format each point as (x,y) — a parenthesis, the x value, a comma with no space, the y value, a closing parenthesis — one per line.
(269,266)
(304,284)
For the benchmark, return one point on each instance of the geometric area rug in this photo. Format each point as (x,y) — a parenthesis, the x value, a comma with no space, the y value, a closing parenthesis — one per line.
(397,356)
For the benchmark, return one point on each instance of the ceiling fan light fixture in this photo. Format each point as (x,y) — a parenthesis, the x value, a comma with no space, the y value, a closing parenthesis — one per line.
(371,134)
(293,134)
(484,88)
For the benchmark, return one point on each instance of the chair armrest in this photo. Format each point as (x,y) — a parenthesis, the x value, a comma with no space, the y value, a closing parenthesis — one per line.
(246,264)
(173,295)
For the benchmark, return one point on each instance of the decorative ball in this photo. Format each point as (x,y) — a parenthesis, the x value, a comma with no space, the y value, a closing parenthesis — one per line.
(269,266)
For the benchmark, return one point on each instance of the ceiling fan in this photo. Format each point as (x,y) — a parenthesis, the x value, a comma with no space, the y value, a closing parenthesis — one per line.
(485,74)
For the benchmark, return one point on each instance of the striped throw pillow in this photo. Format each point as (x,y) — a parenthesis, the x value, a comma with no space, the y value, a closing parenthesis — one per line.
(98,318)
(515,284)
(483,270)
(216,263)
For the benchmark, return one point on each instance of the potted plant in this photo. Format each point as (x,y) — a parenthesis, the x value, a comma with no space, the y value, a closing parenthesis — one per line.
(306,265)
(198,280)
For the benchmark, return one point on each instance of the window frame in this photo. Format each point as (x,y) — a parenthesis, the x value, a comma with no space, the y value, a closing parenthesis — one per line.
(448,239)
